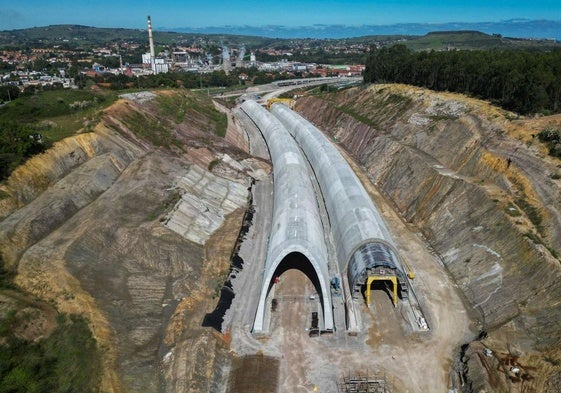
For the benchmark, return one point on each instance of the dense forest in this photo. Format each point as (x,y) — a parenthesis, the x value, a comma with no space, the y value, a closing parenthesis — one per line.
(521,81)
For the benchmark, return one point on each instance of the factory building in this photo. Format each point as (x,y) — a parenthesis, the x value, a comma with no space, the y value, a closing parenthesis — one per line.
(149,60)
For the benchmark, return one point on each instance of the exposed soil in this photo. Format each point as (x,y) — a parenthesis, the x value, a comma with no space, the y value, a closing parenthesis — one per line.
(386,347)
(254,374)
(480,190)
(84,226)
(33,319)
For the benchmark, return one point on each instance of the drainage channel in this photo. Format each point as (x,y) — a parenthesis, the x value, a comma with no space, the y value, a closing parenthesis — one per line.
(215,319)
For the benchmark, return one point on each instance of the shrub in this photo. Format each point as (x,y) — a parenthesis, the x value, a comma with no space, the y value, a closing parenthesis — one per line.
(67,361)
(550,134)
(552,137)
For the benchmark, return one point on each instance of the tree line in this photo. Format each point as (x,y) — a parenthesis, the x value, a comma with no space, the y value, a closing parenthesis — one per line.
(189,80)
(521,81)
(18,142)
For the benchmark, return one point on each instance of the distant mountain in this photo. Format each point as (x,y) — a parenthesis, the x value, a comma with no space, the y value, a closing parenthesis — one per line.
(519,28)
(521,34)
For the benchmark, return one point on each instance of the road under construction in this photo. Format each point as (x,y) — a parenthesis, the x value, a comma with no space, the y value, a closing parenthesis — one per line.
(311,174)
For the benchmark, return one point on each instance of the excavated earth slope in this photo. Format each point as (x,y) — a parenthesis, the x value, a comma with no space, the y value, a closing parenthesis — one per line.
(127,226)
(485,195)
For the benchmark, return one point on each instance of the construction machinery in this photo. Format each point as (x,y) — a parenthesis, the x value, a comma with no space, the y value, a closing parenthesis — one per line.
(289,102)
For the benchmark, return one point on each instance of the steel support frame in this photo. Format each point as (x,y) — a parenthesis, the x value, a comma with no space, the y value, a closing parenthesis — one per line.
(371,279)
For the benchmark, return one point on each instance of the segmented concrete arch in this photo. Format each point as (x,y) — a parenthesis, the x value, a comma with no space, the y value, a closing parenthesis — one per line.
(361,237)
(296,225)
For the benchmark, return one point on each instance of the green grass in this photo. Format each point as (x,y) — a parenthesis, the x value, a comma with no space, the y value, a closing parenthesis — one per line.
(391,106)
(151,129)
(58,114)
(200,103)
(551,360)
(471,40)
(53,115)
(67,361)
(6,276)
(552,138)
(535,238)
(157,129)
(221,124)
(443,117)
(357,116)
(398,99)
(164,206)
(54,103)
(173,107)
(178,106)
(463,40)
(6,323)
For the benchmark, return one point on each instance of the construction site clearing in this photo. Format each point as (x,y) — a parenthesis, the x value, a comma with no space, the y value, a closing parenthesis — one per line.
(401,345)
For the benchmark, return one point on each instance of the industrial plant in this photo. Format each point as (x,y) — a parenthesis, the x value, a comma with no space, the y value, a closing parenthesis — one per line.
(181,60)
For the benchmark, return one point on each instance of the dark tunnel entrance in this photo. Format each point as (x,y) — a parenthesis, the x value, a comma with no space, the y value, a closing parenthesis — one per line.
(294,293)
(297,261)
(384,286)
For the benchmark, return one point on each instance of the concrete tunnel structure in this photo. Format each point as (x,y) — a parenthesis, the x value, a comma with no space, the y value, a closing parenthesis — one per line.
(365,249)
(296,227)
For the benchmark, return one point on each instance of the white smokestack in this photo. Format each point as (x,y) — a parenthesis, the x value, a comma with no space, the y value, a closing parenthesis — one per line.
(151,39)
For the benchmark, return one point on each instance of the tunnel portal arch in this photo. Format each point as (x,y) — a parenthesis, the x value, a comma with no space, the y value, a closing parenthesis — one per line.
(376,261)
(310,267)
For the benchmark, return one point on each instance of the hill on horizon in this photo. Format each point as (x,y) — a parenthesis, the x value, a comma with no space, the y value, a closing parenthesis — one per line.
(517,28)
(77,36)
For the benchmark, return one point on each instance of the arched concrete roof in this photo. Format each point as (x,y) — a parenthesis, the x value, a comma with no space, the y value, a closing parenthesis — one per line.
(355,220)
(296,225)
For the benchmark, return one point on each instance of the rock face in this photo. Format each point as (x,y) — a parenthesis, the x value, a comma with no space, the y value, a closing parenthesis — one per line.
(111,226)
(478,187)
(205,200)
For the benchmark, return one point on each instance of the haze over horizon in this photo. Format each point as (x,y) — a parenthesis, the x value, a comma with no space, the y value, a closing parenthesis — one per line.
(190,15)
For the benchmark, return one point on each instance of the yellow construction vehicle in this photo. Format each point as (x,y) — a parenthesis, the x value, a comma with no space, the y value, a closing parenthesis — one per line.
(410,272)
(289,102)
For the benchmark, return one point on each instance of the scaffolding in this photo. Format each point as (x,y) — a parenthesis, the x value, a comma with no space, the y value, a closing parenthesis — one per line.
(364,383)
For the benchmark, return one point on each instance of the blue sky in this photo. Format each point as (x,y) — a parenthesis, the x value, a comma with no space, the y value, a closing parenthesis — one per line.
(15,14)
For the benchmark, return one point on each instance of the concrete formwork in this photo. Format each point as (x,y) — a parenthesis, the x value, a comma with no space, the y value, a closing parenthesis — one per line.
(296,225)
(362,240)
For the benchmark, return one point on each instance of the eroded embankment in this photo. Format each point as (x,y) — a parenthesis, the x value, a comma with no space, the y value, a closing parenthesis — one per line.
(84,225)
(481,191)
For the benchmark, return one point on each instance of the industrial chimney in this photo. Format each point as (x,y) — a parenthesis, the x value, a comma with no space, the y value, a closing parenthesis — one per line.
(151,39)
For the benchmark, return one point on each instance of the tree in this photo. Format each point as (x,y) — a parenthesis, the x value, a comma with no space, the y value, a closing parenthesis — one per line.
(8,93)
(18,142)
(521,81)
